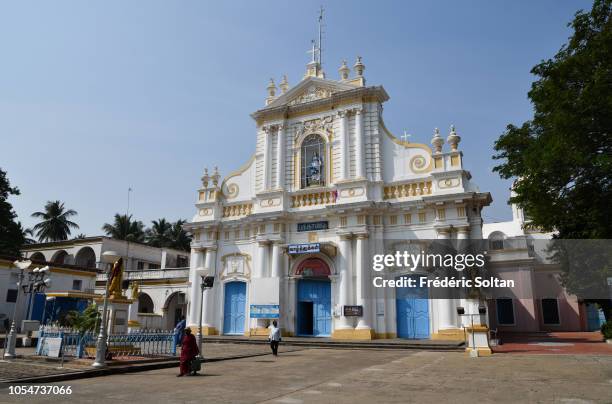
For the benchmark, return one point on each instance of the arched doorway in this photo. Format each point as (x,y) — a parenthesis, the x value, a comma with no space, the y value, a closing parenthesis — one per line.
(412,310)
(234,308)
(313,298)
(60,257)
(175,309)
(86,257)
(37,257)
(145,303)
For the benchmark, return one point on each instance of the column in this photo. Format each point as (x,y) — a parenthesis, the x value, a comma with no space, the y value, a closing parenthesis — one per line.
(363,297)
(194,291)
(277,260)
(359,144)
(266,174)
(446,307)
(468,304)
(344,158)
(280,157)
(260,271)
(291,288)
(209,301)
(344,288)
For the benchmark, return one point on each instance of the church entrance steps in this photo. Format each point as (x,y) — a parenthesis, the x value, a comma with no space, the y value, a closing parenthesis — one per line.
(395,343)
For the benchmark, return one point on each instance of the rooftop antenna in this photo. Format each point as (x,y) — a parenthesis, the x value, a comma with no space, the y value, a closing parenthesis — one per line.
(321,36)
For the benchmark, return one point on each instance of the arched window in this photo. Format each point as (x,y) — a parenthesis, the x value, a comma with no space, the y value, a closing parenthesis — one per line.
(313,162)
(496,240)
(145,303)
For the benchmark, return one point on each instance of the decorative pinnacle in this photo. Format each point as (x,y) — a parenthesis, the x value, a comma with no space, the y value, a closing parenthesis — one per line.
(453,138)
(271,88)
(284,85)
(437,141)
(215,176)
(205,178)
(344,71)
(359,67)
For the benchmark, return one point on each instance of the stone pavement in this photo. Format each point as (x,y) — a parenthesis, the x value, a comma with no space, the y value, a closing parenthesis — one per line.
(26,367)
(356,376)
(555,343)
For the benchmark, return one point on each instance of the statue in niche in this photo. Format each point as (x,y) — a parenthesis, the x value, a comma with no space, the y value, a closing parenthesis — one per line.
(315,170)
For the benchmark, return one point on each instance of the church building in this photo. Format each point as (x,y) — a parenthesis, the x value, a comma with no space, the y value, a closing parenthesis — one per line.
(291,234)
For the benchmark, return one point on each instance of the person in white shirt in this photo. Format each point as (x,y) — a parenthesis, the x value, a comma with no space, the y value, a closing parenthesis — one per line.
(274,337)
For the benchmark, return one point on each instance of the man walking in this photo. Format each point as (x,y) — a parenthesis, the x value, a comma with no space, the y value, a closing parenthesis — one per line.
(274,337)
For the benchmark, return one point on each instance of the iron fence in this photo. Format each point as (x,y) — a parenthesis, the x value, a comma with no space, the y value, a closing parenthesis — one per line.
(148,344)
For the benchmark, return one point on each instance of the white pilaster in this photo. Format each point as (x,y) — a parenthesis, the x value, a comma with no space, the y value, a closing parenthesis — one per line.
(280,157)
(277,260)
(344,158)
(209,302)
(359,158)
(344,289)
(266,176)
(446,307)
(194,290)
(363,297)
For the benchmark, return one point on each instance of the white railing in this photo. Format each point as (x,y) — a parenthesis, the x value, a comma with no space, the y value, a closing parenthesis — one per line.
(167,273)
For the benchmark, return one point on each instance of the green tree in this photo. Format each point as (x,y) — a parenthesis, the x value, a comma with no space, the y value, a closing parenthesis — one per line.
(55,224)
(562,158)
(11,232)
(159,233)
(179,237)
(124,228)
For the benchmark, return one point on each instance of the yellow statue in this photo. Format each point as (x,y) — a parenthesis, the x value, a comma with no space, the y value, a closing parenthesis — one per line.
(135,291)
(116,276)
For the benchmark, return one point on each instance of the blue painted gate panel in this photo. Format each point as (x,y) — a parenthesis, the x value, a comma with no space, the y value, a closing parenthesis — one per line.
(595,317)
(234,308)
(38,306)
(319,293)
(412,311)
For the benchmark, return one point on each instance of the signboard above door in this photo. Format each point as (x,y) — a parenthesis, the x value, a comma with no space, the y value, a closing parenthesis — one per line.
(313,226)
(309,248)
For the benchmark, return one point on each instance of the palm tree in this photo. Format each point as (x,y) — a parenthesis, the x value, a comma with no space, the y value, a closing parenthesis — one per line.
(179,237)
(124,228)
(80,236)
(159,234)
(55,224)
(28,234)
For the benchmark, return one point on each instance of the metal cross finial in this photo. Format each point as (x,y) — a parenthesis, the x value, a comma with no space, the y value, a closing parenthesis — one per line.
(321,9)
(405,136)
(313,50)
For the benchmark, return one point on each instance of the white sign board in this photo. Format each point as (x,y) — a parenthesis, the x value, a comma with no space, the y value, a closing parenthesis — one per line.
(264,291)
(51,347)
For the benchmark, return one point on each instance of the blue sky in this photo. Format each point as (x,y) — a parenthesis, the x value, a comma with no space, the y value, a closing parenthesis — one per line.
(96,97)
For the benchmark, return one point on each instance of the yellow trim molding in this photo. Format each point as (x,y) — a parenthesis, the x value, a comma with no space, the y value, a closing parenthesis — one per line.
(354,334)
(453,334)
(481,351)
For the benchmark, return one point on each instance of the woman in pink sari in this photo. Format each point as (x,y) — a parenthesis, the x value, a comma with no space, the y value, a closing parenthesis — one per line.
(189,350)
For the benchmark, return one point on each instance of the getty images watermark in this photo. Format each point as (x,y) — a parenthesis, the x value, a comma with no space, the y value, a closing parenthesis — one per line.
(457,262)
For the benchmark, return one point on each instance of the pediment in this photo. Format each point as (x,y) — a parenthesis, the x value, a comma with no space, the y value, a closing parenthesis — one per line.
(310,89)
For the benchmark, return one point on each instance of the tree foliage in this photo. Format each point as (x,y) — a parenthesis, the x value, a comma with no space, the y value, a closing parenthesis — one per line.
(124,228)
(562,158)
(55,224)
(11,232)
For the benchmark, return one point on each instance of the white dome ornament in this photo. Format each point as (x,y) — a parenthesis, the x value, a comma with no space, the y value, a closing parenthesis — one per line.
(205,178)
(453,138)
(344,71)
(437,141)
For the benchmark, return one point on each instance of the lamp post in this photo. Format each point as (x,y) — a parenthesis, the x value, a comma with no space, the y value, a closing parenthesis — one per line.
(100,361)
(207,283)
(12,337)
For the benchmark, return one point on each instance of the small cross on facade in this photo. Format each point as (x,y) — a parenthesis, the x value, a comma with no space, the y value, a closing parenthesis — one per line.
(405,136)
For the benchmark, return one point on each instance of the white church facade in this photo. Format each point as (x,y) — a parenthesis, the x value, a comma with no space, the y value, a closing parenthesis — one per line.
(291,234)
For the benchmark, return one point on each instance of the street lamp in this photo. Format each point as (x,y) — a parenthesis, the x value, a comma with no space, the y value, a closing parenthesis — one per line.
(12,337)
(207,283)
(100,361)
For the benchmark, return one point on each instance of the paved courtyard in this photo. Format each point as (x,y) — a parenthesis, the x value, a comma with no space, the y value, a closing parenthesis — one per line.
(350,376)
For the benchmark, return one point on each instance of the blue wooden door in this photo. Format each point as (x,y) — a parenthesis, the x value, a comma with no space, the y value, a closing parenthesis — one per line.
(38,306)
(234,308)
(314,308)
(412,311)
(595,317)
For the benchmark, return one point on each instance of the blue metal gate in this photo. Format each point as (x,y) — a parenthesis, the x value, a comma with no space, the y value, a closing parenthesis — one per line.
(234,308)
(314,308)
(412,311)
